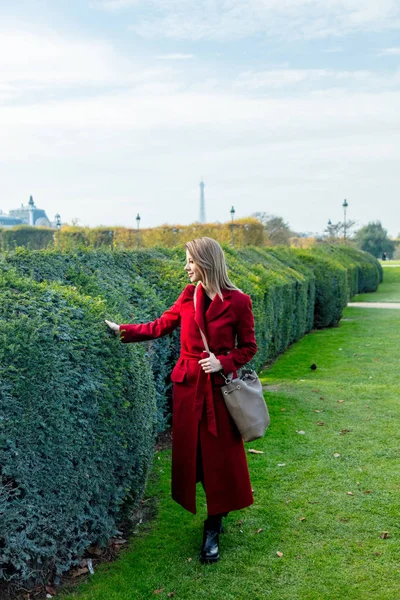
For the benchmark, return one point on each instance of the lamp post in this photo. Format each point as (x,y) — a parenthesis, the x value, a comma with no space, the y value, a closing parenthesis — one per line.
(232,217)
(58,225)
(138,229)
(345,205)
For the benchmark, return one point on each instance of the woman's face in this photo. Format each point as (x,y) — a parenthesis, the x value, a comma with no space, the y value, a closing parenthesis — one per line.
(192,269)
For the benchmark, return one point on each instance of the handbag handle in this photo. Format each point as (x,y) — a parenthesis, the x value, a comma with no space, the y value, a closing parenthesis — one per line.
(203,337)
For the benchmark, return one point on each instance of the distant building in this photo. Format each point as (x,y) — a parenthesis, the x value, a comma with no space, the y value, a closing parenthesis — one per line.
(26,215)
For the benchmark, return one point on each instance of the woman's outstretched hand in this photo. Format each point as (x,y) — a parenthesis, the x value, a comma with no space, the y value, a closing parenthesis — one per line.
(113,326)
(211,364)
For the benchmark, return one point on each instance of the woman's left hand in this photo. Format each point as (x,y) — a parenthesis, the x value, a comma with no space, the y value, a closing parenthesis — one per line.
(210,364)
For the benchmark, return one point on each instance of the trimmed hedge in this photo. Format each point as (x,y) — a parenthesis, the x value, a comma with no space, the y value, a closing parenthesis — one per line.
(364,272)
(79,411)
(34,238)
(77,416)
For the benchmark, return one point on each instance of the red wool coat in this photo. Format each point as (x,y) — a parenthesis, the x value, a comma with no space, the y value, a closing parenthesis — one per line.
(200,420)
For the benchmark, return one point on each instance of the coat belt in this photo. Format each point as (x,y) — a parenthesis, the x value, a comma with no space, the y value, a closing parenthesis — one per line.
(203,395)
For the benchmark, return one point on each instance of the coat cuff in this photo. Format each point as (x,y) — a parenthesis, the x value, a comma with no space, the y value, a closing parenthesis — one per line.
(227,363)
(125,335)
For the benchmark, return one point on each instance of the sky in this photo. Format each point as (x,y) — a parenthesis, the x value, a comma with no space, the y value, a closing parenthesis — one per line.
(110,108)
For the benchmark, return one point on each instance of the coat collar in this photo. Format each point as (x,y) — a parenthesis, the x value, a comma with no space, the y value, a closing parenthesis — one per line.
(215,310)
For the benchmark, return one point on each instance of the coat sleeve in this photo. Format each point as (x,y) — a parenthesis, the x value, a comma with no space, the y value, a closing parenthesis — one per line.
(246,346)
(165,324)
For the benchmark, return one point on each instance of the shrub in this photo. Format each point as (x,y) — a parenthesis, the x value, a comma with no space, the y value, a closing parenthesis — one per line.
(34,238)
(77,416)
(364,272)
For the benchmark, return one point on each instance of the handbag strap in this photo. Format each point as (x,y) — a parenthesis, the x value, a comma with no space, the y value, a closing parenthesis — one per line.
(203,337)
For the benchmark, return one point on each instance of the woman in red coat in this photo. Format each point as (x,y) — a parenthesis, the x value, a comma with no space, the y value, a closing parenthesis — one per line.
(206,445)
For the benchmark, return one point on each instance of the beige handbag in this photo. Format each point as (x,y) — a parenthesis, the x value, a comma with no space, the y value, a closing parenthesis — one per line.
(244,400)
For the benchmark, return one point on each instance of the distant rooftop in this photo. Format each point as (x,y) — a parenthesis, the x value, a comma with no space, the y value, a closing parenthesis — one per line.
(25,215)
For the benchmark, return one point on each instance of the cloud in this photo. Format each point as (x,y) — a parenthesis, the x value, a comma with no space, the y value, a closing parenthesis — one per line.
(314,80)
(113,5)
(235,19)
(53,63)
(175,56)
(389,51)
(334,50)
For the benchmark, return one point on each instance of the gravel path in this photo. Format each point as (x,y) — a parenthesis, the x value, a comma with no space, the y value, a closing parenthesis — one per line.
(374,304)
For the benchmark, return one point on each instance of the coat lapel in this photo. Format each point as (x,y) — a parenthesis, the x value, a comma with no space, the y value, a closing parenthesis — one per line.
(215,310)
(217,307)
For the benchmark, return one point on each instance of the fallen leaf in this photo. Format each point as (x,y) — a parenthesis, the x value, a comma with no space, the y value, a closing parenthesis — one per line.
(281,464)
(96,549)
(302,518)
(252,451)
(320,423)
(336,455)
(318,411)
(344,519)
(280,554)
(368,492)
(340,401)
(350,494)
(298,557)
(378,553)
(259,530)
(357,482)
(189,560)
(300,432)
(78,572)
(345,431)
(51,590)
(240,522)
(158,591)
(171,594)
(316,391)
(385,535)
(283,409)
(322,397)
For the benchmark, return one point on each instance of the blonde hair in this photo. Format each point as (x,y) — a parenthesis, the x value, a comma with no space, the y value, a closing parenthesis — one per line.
(210,260)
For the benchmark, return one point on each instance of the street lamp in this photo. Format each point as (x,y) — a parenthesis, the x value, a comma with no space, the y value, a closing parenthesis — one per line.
(138,229)
(345,205)
(58,225)
(232,217)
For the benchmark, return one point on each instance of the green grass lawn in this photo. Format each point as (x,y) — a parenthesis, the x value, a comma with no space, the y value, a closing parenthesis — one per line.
(389,290)
(330,539)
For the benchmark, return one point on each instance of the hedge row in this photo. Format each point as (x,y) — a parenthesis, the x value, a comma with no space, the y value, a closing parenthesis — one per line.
(34,238)
(247,231)
(79,411)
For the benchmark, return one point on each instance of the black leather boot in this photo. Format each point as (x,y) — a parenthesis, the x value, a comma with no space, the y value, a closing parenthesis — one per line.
(212,528)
